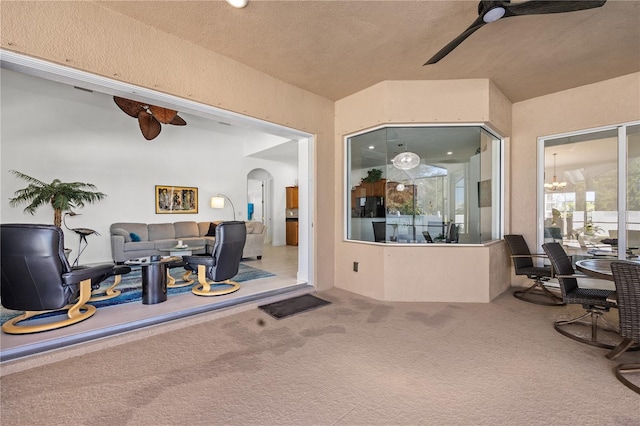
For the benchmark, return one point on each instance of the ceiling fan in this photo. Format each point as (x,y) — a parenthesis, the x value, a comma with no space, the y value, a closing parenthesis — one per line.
(492,10)
(149,116)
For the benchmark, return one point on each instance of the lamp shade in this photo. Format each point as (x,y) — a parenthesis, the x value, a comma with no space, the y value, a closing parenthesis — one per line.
(217,202)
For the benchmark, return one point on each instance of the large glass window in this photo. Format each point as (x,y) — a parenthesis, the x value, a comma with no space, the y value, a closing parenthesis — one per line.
(584,207)
(424,185)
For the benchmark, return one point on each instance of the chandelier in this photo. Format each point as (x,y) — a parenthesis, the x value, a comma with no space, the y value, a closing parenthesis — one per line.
(555,185)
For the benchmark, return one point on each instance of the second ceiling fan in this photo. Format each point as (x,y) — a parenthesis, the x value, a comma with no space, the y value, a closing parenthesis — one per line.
(493,10)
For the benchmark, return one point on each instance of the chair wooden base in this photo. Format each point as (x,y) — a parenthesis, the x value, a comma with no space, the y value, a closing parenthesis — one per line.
(203,288)
(539,295)
(77,312)
(109,293)
(592,337)
(186,280)
(623,369)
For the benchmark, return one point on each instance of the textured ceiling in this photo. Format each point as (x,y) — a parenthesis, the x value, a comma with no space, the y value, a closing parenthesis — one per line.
(337,48)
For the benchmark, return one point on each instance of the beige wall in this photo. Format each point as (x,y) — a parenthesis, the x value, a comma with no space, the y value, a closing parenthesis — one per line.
(84,36)
(606,103)
(420,272)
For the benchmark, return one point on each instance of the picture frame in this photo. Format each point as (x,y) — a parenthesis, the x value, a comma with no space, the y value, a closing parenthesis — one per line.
(176,199)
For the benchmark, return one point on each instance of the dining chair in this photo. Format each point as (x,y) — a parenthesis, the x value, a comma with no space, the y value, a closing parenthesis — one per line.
(595,301)
(626,276)
(523,265)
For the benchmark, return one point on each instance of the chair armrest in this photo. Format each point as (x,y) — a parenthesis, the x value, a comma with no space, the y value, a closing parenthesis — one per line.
(78,275)
(190,261)
(531,255)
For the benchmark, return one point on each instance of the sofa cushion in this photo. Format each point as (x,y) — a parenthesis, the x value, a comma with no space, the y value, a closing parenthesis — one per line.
(212,230)
(186,229)
(123,233)
(203,228)
(139,228)
(142,245)
(161,231)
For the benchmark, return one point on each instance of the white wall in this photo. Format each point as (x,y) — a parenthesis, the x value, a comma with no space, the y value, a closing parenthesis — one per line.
(53,131)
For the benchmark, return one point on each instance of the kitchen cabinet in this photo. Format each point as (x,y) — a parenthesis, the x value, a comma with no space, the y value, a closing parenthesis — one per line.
(292,197)
(292,232)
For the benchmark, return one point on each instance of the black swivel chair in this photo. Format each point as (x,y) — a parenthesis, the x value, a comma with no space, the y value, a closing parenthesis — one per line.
(595,301)
(523,265)
(222,264)
(627,279)
(37,278)
(380,232)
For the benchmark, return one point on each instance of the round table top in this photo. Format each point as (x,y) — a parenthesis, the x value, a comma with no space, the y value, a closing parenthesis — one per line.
(599,268)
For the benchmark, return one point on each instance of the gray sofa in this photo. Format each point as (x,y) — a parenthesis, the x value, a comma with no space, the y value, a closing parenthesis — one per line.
(135,240)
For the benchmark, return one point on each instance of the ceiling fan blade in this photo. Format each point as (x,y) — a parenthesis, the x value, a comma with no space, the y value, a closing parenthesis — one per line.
(149,126)
(477,24)
(129,107)
(537,7)
(164,115)
(178,121)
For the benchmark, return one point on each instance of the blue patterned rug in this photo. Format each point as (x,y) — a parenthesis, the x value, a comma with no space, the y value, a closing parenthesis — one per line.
(131,288)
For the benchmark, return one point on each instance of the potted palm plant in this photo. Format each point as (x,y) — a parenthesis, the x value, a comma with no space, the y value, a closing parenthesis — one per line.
(62,196)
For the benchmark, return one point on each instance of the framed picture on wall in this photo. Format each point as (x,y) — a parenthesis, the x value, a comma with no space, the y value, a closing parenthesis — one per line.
(176,199)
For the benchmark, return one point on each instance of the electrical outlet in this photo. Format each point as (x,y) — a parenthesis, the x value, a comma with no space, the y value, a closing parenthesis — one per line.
(355,266)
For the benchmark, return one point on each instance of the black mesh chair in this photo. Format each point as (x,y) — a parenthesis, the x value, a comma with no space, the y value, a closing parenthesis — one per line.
(222,264)
(37,278)
(523,265)
(626,276)
(595,301)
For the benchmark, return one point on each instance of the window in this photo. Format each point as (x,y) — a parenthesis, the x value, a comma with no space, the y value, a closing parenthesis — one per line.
(424,185)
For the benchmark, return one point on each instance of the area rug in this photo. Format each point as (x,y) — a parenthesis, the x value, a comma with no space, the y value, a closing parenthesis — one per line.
(295,305)
(131,288)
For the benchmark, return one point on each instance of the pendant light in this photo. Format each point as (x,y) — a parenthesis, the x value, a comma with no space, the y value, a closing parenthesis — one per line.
(555,185)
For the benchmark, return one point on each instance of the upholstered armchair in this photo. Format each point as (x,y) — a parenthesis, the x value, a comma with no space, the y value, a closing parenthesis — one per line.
(37,278)
(222,264)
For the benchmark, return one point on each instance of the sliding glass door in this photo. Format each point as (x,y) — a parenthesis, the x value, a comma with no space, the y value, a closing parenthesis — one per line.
(589,189)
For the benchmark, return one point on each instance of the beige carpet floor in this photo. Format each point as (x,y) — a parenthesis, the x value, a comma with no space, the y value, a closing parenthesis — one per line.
(354,362)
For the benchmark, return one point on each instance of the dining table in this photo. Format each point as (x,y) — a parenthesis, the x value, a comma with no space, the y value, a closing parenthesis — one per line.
(600,268)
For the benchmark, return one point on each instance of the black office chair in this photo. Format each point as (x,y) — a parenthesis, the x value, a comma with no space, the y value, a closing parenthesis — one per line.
(380,232)
(523,265)
(626,276)
(37,278)
(595,301)
(222,264)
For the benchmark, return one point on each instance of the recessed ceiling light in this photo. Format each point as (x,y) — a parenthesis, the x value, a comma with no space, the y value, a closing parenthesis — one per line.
(449,153)
(371,146)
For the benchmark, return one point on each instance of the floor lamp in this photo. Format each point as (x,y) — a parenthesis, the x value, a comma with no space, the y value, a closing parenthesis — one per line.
(217,202)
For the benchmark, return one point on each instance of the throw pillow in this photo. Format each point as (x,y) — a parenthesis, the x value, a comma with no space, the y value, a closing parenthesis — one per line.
(135,237)
(212,230)
(122,233)
(249,229)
